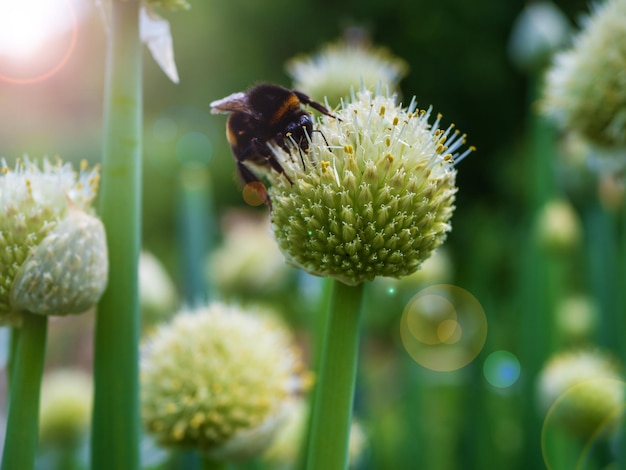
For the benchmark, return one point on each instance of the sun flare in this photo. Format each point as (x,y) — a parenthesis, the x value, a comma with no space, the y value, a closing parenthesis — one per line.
(27,30)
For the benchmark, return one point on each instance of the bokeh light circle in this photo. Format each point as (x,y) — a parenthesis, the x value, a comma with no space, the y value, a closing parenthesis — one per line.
(501,369)
(194,148)
(254,193)
(443,327)
(58,65)
(555,432)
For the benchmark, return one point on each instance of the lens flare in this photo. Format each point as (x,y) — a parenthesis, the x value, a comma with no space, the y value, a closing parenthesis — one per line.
(501,369)
(26,29)
(555,426)
(254,193)
(194,148)
(443,327)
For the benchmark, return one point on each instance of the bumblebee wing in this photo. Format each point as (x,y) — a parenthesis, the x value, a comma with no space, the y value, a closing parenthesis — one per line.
(237,102)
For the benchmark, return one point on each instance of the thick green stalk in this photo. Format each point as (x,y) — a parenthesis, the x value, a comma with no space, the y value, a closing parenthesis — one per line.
(334,393)
(115,432)
(536,327)
(620,324)
(319,327)
(20,443)
(13,342)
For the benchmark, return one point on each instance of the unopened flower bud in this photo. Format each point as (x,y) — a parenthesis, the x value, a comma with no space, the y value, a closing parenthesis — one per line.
(65,273)
(65,409)
(558,227)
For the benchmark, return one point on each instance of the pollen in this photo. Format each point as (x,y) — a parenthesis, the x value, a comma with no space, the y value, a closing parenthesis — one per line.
(395,121)
(325,166)
(382,110)
(349,149)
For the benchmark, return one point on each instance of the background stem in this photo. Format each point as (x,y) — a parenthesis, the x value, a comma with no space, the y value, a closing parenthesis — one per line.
(20,444)
(334,393)
(115,433)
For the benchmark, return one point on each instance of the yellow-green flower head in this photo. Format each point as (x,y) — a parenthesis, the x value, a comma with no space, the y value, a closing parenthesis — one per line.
(53,255)
(375,195)
(577,318)
(342,66)
(65,409)
(172,5)
(248,261)
(583,391)
(219,379)
(558,228)
(586,86)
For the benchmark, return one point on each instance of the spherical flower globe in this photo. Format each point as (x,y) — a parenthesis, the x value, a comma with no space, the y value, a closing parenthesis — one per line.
(374,195)
(53,254)
(586,86)
(342,66)
(220,380)
(583,391)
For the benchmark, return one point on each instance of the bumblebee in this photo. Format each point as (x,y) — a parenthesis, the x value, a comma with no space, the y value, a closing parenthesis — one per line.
(266,114)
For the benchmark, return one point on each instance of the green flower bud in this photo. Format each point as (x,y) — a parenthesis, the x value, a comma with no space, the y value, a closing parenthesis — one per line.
(219,379)
(577,318)
(374,197)
(583,391)
(157,293)
(558,228)
(53,258)
(340,67)
(586,88)
(539,30)
(248,262)
(67,272)
(65,410)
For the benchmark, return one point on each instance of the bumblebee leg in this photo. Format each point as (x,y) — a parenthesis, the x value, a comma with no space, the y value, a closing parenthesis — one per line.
(268,157)
(271,159)
(249,177)
(246,175)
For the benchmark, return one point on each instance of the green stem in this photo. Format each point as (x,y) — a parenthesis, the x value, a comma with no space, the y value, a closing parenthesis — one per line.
(195,235)
(116,429)
(13,342)
(620,324)
(334,394)
(20,444)
(320,318)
